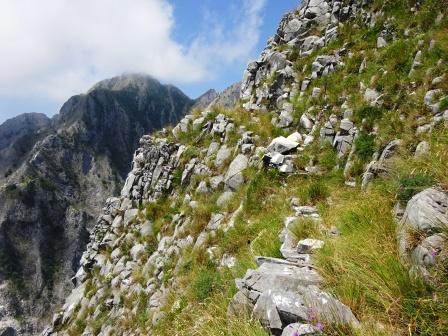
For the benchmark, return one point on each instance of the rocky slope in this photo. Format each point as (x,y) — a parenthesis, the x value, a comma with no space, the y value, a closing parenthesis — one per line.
(59,174)
(17,137)
(319,208)
(228,98)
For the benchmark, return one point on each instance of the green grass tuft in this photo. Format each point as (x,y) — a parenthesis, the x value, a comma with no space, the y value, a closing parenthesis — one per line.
(206,282)
(412,185)
(365,146)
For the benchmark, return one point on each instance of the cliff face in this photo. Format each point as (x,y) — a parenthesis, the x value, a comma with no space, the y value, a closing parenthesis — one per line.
(17,137)
(64,170)
(318,208)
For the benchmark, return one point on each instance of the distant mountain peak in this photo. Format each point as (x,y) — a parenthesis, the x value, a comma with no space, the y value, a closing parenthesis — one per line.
(126,81)
(204,100)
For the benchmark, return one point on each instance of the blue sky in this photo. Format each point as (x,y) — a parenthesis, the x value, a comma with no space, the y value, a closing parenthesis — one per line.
(188,25)
(59,48)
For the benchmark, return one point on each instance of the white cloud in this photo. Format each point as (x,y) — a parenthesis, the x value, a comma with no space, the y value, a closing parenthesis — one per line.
(230,45)
(56,48)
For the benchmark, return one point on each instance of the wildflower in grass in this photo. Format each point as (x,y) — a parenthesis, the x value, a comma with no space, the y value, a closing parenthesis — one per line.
(311,314)
(319,326)
(434,253)
(295,332)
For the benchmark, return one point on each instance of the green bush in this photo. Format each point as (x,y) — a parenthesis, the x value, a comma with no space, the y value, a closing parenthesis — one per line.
(143,318)
(328,157)
(266,243)
(444,104)
(371,35)
(429,12)
(177,177)
(304,228)
(354,63)
(261,185)
(369,113)
(315,192)
(398,57)
(190,153)
(158,210)
(412,185)
(204,284)
(365,146)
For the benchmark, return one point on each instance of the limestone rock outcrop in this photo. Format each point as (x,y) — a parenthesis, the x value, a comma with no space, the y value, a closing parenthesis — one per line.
(422,230)
(68,168)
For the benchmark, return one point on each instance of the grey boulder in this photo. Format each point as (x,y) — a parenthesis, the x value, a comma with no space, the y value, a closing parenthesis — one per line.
(295,329)
(426,215)
(282,145)
(234,177)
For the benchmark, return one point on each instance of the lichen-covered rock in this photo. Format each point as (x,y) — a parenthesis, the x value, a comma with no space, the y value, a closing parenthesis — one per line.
(234,177)
(282,145)
(422,149)
(222,155)
(380,165)
(308,29)
(295,329)
(421,229)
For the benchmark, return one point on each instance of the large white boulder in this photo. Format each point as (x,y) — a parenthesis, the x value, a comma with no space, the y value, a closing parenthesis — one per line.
(282,145)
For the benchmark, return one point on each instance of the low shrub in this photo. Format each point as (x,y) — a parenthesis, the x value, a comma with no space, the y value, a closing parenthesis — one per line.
(412,185)
(328,158)
(204,284)
(365,146)
(368,113)
(260,186)
(315,192)
(398,56)
(444,104)
(304,228)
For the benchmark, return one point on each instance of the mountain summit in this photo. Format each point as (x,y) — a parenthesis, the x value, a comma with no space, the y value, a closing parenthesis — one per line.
(58,174)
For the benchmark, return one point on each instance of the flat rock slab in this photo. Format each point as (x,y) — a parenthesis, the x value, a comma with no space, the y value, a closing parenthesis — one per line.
(426,214)
(282,145)
(234,177)
(287,277)
(295,329)
(326,307)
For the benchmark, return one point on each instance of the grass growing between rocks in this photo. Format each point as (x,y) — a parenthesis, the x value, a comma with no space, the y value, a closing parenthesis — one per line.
(202,306)
(362,266)
(207,318)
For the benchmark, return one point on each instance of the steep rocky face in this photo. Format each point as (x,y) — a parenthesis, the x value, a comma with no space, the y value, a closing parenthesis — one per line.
(270,81)
(17,137)
(205,99)
(117,112)
(228,98)
(50,201)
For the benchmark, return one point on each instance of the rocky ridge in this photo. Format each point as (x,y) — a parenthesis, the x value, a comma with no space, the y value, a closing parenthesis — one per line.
(278,285)
(284,293)
(64,168)
(17,137)
(204,199)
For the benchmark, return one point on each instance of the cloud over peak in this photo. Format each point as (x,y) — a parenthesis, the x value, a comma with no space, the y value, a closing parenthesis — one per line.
(55,48)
